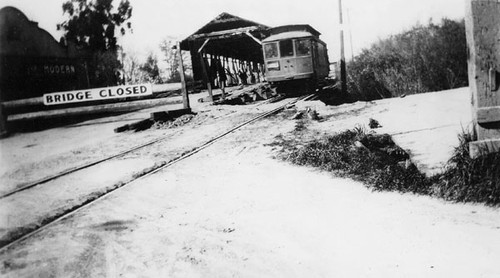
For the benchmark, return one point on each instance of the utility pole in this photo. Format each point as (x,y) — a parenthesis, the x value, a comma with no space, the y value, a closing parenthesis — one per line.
(343,79)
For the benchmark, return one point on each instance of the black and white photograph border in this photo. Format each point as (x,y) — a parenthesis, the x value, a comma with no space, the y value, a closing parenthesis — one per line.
(162,138)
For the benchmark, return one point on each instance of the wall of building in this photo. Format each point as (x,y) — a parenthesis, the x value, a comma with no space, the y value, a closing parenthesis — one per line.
(32,62)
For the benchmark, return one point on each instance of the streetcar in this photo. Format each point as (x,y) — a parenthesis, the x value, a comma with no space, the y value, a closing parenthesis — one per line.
(295,58)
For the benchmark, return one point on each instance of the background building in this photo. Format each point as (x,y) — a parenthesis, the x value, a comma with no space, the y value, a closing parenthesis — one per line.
(32,62)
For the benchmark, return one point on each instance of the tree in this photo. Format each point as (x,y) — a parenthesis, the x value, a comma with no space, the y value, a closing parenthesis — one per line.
(422,59)
(105,68)
(92,25)
(150,69)
(131,68)
(169,48)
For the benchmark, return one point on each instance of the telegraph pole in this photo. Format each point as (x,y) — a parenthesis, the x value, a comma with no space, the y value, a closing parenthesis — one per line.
(343,79)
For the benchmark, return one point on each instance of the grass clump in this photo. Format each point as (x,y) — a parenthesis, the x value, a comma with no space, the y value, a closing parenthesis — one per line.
(381,165)
(470,180)
(374,160)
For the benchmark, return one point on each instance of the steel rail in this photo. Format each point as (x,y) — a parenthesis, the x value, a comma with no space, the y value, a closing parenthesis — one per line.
(72,170)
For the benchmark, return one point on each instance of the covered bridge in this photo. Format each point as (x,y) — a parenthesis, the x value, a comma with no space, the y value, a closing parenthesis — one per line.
(227,45)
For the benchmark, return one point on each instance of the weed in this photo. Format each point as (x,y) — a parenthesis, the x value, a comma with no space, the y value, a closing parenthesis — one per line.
(300,126)
(469,179)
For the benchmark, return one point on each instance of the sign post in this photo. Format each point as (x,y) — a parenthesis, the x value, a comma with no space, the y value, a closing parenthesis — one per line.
(185,97)
(483,40)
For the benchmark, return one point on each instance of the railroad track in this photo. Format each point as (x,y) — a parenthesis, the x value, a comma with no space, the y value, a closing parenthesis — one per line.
(57,218)
(78,168)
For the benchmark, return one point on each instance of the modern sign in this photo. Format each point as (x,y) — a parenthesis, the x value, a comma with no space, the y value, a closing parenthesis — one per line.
(97,94)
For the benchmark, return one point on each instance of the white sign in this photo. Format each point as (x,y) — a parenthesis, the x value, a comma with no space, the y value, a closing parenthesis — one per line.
(97,94)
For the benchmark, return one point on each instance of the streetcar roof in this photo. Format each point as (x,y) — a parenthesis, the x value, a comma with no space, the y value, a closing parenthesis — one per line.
(288,35)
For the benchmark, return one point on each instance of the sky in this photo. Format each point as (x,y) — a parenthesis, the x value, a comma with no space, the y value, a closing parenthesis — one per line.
(366,21)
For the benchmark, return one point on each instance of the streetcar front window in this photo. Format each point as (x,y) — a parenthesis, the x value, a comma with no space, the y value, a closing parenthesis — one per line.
(286,48)
(271,50)
(303,47)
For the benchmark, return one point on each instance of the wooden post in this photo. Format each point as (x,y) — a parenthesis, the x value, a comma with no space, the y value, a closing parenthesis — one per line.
(223,90)
(230,79)
(205,74)
(185,97)
(236,72)
(483,41)
(222,82)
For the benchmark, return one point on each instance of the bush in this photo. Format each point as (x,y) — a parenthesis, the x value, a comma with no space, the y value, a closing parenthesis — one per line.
(423,59)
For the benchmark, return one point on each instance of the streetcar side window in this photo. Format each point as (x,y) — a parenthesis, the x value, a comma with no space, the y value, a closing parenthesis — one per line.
(271,50)
(303,47)
(286,48)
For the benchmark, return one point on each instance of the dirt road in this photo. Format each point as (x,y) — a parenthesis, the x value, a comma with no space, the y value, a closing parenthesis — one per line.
(233,211)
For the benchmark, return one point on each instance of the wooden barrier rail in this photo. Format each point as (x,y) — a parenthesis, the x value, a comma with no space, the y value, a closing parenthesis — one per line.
(95,109)
(13,104)
(8,108)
